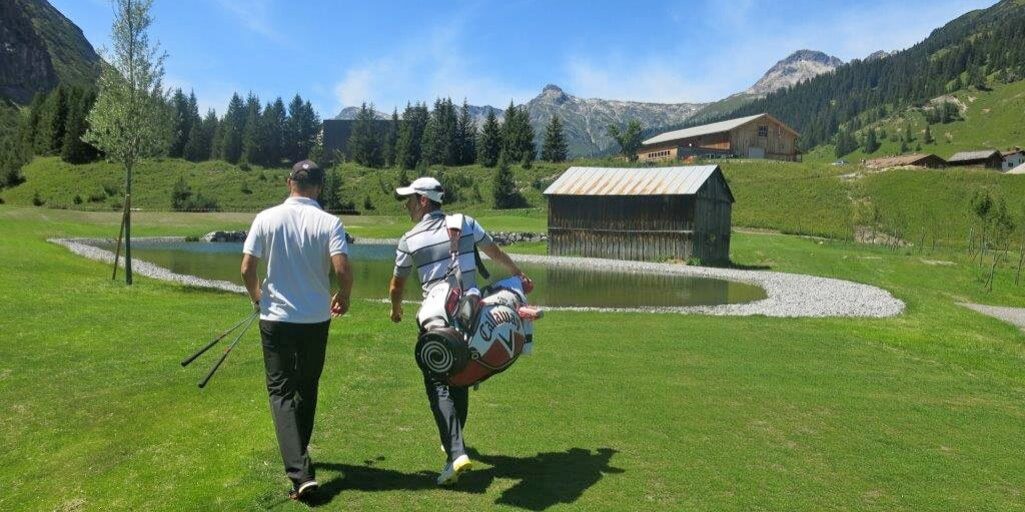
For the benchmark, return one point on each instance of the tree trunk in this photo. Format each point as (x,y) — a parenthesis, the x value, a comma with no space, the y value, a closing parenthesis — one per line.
(120,238)
(1021,259)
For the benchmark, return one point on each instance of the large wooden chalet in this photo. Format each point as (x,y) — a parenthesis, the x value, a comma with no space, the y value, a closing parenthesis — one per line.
(758,136)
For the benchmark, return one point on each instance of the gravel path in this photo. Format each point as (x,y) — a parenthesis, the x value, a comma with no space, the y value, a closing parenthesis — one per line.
(788,295)
(1015,316)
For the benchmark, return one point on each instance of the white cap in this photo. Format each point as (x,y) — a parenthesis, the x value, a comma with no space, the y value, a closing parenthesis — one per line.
(425,186)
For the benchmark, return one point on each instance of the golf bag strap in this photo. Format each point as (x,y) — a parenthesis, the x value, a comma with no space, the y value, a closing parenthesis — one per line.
(455,223)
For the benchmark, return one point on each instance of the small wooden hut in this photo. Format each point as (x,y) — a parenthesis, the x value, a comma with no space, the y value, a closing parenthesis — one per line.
(641,213)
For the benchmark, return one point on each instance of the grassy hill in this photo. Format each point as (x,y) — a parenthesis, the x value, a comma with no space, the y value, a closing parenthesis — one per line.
(810,198)
(990,119)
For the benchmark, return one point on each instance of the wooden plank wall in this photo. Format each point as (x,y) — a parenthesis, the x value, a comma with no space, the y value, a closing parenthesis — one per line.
(780,143)
(649,228)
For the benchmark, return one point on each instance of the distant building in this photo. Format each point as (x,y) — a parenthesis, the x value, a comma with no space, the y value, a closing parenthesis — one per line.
(1012,159)
(641,213)
(914,160)
(989,158)
(336,134)
(758,136)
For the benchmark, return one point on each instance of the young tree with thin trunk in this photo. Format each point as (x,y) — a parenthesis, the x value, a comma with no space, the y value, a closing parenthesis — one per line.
(129,120)
(629,139)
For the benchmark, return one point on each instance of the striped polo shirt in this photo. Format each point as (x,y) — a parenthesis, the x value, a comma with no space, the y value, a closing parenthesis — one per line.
(426,248)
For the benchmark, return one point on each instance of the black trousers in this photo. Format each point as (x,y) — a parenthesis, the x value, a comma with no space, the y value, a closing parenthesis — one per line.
(293,355)
(450,405)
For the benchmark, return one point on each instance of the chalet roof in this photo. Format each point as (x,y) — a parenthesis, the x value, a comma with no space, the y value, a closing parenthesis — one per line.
(896,161)
(635,181)
(1010,152)
(708,129)
(966,156)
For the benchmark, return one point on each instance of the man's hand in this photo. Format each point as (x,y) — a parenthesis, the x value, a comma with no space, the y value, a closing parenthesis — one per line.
(528,283)
(339,305)
(256,305)
(396,313)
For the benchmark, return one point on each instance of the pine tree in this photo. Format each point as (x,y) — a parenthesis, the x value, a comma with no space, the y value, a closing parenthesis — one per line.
(871,144)
(53,118)
(408,148)
(517,135)
(75,150)
(391,139)
(554,147)
(490,144)
(182,124)
(331,194)
(927,137)
(274,121)
(193,146)
(629,140)
(231,130)
(466,145)
(365,143)
(441,138)
(504,193)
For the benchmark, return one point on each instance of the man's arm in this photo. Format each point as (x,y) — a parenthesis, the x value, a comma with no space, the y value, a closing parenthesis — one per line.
(343,273)
(499,256)
(395,289)
(250,279)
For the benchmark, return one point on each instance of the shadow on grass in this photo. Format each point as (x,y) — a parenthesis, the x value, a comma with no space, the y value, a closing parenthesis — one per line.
(546,479)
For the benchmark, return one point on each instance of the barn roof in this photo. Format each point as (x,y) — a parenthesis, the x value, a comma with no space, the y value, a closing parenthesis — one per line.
(708,129)
(1011,152)
(634,181)
(967,156)
(896,161)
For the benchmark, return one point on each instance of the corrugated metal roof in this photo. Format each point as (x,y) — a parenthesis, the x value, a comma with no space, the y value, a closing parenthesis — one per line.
(638,181)
(973,155)
(708,129)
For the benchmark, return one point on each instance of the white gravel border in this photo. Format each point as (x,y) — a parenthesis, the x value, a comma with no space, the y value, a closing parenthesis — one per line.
(788,295)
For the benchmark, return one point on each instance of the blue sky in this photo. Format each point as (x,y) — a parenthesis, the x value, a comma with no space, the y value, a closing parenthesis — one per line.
(340,53)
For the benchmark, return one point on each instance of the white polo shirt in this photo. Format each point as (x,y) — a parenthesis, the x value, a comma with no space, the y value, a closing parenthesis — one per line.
(298,239)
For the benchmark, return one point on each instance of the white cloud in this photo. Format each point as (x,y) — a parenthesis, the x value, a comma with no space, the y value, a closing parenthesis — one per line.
(256,16)
(430,66)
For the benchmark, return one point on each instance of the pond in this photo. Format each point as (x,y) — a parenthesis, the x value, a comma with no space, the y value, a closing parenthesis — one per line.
(554,285)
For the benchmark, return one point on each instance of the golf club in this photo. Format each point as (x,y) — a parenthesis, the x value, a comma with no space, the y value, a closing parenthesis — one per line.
(208,346)
(227,351)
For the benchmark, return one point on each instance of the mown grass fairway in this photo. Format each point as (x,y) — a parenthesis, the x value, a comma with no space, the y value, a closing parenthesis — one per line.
(613,412)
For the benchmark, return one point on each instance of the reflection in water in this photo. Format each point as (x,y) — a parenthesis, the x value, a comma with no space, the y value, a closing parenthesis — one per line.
(555,286)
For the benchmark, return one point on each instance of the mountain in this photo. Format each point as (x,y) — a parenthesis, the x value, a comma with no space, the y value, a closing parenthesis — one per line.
(881,54)
(797,67)
(586,120)
(477,113)
(800,66)
(985,45)
(39,47)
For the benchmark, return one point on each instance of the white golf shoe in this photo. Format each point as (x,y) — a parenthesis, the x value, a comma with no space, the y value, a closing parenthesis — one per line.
(450,473)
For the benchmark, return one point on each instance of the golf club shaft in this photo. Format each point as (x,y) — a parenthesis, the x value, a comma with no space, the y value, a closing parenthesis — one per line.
(224,356)
(214,341)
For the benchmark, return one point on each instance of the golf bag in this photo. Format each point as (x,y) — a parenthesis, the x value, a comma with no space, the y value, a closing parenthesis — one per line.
(466,337)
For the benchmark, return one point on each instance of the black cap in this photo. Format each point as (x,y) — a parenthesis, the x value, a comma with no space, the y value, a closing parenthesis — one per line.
(307,171)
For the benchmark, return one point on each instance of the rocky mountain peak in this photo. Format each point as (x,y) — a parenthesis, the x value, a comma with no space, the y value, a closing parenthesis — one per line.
(795,68)
(881,54)
(554,93)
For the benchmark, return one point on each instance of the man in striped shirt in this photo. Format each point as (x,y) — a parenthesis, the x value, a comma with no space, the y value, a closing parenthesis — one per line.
(426,248)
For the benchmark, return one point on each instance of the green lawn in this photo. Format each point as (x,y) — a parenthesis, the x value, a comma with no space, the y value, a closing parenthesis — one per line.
(613,412)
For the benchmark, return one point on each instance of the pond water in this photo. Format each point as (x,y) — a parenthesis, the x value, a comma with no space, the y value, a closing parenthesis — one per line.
(554,286)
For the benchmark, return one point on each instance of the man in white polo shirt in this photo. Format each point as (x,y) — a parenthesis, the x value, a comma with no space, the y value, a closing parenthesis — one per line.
(303,245)
(425,248)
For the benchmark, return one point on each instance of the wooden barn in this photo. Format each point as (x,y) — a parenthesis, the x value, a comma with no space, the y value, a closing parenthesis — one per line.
(989,158)
(930,161)
(758,136)
(653,213)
